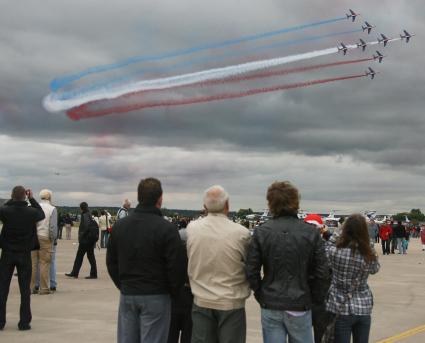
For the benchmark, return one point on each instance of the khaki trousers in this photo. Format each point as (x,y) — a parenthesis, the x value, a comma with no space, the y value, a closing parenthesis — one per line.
(68,228)
(42,257)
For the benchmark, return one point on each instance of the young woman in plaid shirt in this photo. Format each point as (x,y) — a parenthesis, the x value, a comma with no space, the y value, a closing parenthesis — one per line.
(352,259)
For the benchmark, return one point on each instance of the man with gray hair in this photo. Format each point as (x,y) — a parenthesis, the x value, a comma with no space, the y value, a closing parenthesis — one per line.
(47,230)
(216,250)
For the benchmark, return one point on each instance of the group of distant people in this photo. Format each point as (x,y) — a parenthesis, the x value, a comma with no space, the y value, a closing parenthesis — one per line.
(190,284)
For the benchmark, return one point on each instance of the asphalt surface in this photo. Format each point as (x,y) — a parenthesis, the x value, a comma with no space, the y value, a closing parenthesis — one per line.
(86,310)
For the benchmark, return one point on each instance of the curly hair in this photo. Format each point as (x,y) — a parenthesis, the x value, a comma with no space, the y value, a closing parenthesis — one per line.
(283,198)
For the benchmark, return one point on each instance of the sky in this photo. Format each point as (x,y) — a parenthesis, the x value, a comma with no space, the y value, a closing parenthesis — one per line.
(349,146)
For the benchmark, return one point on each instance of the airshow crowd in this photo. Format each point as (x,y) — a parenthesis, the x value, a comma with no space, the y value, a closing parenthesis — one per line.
(188,280)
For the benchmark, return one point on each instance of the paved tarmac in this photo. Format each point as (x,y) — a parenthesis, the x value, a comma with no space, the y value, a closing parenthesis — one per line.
(86,310)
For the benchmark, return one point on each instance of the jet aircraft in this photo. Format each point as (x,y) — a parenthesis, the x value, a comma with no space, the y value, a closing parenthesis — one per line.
(406,36)
(367,27)
(384,39)
(370,73)
(343,48)
(378,56)
(362,44)
(352,15)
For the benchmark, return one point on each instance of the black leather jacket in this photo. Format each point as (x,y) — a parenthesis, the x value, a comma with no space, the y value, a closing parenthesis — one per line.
(294,264)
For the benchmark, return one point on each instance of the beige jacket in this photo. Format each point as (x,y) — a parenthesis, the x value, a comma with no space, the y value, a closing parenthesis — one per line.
(216,248)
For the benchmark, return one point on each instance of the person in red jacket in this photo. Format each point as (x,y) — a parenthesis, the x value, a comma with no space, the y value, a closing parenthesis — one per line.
(385,232)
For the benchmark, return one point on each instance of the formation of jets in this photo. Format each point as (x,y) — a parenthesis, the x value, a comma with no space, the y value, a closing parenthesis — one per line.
(362,44)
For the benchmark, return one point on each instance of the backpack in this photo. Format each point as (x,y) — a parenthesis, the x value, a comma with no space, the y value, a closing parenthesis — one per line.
(93,229)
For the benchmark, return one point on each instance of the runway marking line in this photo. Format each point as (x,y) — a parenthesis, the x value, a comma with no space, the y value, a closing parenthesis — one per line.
(403,335)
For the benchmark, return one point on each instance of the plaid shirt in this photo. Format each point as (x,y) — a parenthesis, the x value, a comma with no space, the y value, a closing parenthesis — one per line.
(349,292)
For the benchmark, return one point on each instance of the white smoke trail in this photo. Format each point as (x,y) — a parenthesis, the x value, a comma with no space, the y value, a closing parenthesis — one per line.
(52,104)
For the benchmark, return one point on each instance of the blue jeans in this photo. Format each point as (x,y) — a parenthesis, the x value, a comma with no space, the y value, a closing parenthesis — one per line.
(144,318)
(52,272)
(359,326)
(277,325)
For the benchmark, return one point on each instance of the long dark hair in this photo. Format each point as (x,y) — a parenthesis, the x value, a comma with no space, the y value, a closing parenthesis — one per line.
(356,237)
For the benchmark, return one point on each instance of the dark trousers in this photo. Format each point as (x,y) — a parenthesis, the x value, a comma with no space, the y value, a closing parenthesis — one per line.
(321,319)
(217,326)
(180,327)
(359,326)
(60,229)
(82,250)
(385,246)
(393,244)
(22,262)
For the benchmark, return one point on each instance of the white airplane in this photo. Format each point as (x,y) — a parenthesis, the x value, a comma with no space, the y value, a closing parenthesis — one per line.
(371,73)
(406,36)
(378,56)
(352,15)
(370,214)
(383,220)
(343,48)
(368,27)
(384,39)
(362,44)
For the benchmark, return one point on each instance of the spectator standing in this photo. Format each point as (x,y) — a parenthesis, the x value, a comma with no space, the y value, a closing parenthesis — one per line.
(385,232)
(123,210)
(352,259)
(399,232)
(61,224)
(144,259)
(68,225)
(216,250)
(17,239)
(104,225)
(423,238)
(373,230)
(295,271)
(86,245)
(47,230)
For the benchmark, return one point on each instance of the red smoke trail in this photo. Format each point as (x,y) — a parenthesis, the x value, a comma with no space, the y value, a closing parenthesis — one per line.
(261,75)
(278,72)
(82,112)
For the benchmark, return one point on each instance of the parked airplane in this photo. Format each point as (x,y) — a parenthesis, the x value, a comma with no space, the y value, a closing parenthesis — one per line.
(367,27)
(362,44)
(384,39)
(378,56)
(352,15)
(406,36)
(371,72)
(343,48)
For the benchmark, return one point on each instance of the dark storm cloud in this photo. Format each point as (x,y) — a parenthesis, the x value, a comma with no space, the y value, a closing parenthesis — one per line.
(362,123)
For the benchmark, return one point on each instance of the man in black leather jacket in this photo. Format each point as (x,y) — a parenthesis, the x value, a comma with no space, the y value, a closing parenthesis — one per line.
(295,268)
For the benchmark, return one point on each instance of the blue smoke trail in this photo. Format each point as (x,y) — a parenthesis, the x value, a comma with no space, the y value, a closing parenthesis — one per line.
(63,81)
(106,84)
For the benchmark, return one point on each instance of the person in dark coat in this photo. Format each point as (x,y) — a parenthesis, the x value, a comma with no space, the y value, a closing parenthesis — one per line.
(17,239)
(86,245)
(144,255)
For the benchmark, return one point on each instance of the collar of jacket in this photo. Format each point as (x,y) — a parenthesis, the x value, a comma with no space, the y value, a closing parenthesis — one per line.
(286,216)
(17,203)
(148,209)
(217,215)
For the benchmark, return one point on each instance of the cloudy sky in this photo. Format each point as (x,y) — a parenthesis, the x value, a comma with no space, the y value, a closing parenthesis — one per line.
(351,145)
